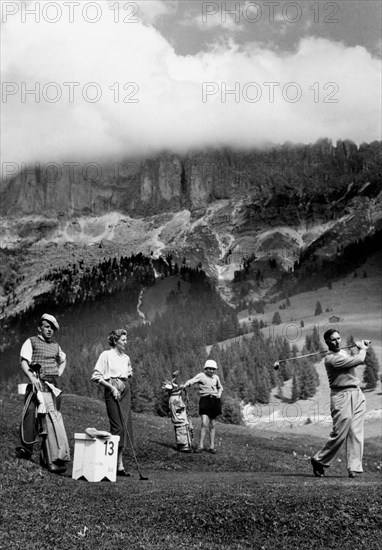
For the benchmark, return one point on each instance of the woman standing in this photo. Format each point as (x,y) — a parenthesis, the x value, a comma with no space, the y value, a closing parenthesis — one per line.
(113,371)
(210,390)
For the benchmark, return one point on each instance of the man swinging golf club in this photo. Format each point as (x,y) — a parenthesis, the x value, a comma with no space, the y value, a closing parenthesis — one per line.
(347,405)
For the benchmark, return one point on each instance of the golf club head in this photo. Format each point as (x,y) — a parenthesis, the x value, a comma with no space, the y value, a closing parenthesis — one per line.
(175,373)
(167,385)
(35,367)
(276,365)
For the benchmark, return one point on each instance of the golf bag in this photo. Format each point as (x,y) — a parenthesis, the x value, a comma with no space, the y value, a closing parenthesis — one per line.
(54,445)
(50,426)
(184,431)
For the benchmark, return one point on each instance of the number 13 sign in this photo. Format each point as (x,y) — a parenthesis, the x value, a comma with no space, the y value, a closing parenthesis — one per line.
(95,459)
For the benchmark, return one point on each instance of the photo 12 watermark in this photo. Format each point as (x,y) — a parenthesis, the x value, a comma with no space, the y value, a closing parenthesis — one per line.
(70,12)
(306,412)
(269,12)
(71,171)
(270,92)
(69,92)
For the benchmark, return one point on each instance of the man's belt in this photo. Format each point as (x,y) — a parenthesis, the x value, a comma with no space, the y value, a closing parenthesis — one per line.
(340,388)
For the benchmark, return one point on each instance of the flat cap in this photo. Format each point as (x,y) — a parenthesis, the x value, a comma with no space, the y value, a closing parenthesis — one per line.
(52,320)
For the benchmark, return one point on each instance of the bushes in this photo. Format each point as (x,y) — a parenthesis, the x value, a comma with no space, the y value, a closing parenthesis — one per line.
(276,320)
(231,413)
(370,374)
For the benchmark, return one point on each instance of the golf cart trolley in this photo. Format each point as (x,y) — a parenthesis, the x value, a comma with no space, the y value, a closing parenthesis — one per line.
(184,431)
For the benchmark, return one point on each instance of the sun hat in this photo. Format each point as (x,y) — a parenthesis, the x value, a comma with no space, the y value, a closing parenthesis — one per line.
(210,364)
(52,320)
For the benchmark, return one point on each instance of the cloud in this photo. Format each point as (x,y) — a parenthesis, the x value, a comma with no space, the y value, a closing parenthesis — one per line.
(226,23)
(152,10)
(131,93)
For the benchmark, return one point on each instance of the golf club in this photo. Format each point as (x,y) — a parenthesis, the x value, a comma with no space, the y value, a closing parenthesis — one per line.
(141,477)
(277,363)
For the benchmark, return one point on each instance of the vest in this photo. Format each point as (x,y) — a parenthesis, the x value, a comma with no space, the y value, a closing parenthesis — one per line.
(46,354)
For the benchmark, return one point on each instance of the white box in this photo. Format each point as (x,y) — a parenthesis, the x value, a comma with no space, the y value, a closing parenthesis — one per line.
(95,459)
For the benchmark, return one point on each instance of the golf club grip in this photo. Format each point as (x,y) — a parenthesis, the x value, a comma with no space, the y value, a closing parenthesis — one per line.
(365,342)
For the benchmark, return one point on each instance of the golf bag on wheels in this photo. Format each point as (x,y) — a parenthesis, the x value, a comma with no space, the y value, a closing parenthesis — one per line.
(54,445)
(184,431)
(55,450)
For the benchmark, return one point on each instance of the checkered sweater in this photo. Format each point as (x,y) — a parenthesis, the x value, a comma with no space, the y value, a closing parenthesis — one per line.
(47,355)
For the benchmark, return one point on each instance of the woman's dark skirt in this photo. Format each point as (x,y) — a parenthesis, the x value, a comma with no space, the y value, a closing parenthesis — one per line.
(116,423)
(210,405)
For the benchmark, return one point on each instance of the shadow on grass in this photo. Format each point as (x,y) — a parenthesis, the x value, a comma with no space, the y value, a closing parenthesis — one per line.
(163,444)
(311,476)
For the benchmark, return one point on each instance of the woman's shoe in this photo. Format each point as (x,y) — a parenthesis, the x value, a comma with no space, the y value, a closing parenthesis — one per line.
(212,451)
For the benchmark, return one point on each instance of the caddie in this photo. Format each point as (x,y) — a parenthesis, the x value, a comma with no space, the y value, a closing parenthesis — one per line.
(44,352)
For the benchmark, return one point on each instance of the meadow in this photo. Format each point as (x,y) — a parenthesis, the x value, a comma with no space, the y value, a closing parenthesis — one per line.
(258,492)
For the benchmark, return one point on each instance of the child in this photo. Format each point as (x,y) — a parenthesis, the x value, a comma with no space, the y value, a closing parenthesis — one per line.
(210,390)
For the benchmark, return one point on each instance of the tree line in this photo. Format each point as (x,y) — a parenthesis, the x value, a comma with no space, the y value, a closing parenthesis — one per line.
(196,316)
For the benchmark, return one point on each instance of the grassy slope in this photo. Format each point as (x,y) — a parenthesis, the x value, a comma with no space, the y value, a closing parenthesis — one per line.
(258,492)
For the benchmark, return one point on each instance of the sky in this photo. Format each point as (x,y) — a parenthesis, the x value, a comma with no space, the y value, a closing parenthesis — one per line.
(112,79)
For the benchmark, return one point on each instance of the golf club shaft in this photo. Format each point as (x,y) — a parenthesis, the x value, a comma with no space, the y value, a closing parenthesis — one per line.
(315,353)
(131,443)
(277,363)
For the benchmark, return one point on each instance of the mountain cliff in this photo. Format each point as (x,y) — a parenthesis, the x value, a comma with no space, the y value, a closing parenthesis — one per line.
(275,182)
(220,208)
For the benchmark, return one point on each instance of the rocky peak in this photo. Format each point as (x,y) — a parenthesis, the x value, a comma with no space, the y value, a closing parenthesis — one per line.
(218,206)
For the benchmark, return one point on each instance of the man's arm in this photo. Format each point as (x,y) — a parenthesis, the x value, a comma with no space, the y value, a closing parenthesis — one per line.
(191,381)
(220,387)
(61,367)
(30,374)
(61,361)
(342,361)
(26,353)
